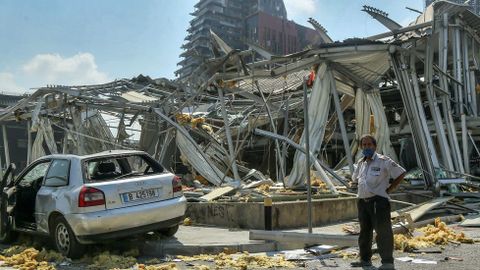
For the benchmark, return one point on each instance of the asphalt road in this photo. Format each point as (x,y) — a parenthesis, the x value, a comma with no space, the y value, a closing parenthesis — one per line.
(468,253)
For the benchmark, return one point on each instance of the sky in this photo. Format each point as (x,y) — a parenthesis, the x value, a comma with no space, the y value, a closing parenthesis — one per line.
(75,42)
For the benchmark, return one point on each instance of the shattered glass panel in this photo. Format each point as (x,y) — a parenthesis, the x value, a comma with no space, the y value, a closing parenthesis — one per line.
(35,173)
(120,167)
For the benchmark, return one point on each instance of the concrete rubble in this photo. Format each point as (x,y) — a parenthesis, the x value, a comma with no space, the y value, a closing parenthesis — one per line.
(235,129)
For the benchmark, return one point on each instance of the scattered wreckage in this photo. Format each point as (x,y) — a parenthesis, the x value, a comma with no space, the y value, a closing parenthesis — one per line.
(245,125)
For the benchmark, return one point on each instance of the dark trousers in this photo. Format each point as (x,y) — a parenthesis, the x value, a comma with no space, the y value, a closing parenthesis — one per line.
(374,213)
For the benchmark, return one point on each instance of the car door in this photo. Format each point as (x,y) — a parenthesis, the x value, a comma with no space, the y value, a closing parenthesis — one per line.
(13,194)
(52,195)
(26,188)
(5,213)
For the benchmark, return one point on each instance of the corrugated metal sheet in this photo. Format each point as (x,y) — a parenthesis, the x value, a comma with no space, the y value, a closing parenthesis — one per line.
(136,97)
(290,82)
(367,63)
(472,19)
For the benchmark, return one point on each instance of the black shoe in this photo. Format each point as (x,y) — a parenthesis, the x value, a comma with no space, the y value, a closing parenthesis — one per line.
(387,266)
(361,264)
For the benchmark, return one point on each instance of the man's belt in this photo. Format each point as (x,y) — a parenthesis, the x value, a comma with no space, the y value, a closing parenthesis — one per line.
(371,199)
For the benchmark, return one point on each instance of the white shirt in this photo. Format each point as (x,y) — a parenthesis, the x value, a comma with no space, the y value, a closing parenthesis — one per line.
(373,175)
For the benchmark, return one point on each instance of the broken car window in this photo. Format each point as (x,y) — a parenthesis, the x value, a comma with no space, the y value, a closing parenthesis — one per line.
(59,169)
(36,174)
(113,168)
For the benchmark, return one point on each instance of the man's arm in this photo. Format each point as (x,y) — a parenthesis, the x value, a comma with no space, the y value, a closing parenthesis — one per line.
(395,183)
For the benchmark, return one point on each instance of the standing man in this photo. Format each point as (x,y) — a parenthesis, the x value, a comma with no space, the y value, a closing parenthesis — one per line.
(372,176)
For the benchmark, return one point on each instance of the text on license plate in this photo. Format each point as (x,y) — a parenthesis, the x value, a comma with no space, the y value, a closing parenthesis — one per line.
(140,195)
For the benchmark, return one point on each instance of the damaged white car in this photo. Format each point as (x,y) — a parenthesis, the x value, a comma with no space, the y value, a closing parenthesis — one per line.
(79,200)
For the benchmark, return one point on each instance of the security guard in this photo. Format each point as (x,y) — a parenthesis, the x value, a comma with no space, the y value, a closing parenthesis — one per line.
(372,176)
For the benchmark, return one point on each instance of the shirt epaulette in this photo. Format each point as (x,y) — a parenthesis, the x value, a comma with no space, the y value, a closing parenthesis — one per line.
(383,157)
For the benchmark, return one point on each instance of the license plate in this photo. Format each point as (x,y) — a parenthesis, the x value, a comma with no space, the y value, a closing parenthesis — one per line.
(140,195)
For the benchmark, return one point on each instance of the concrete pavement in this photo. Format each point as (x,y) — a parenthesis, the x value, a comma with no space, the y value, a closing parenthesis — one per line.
(192,240)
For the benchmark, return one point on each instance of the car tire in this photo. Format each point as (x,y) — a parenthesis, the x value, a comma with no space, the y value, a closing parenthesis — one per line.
(169,231)
(65,240)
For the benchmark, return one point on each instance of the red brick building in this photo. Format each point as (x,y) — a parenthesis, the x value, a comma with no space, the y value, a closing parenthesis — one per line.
(278,35)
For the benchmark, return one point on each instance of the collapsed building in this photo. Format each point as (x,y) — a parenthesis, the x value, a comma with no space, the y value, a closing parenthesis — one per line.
(242,121)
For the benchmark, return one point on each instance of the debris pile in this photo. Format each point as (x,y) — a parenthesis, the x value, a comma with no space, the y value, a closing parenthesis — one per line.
(106,260)
(26,259)
(187,222)
(168,266)
(240,261)
(430,235)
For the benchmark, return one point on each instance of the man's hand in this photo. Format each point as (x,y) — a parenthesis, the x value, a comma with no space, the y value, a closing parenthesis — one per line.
(395,183)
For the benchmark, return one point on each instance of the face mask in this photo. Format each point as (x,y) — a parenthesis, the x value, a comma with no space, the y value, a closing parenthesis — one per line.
(367,152)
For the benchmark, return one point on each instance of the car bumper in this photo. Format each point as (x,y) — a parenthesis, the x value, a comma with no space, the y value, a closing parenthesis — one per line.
(128,220)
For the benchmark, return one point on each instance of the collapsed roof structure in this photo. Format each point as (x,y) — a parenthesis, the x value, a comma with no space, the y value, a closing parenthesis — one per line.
(419,82)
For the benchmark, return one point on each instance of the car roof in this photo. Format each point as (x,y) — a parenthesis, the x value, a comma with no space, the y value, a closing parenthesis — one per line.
(96,155)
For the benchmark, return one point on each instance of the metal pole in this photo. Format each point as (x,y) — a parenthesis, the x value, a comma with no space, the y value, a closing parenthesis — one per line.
(307,157)
(341,122)
(457,146)
(472,78)
(406,92)
(458,66)
(421,113)
(434,109)
(466,73)
(29,143)
(5,145)
(473,93)
(466,159)
(65,133)
(447,109)
(229,135)
(285,134)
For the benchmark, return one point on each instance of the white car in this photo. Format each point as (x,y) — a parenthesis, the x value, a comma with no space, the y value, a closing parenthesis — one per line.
(79,200)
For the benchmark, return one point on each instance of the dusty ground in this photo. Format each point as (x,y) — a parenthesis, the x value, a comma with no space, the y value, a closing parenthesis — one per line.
(469,253)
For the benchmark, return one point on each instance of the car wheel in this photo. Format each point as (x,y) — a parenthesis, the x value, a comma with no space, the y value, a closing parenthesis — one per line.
(65,240)
(169,231)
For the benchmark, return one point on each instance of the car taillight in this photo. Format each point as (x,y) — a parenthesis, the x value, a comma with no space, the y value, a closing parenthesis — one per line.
(176,184)
(90,196)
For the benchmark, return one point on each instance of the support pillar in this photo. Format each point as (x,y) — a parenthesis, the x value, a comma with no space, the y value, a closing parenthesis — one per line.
(228,135)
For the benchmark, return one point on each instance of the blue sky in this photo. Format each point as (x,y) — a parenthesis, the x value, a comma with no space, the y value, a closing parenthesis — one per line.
(94,41)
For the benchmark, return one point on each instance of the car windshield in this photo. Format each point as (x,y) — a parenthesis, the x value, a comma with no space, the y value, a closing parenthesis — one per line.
(119,167)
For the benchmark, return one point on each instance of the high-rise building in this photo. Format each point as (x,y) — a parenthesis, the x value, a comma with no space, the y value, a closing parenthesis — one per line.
(474,4)
(263,22)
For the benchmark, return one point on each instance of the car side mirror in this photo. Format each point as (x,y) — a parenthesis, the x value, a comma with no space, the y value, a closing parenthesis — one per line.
(55,182)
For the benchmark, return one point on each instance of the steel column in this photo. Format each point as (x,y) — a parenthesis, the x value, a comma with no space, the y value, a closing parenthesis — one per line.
(307,157)
(434,108)
(341,123)
(406,92)
(228,135)
(421,113)
(29,143)
(5,145)
(466,159)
